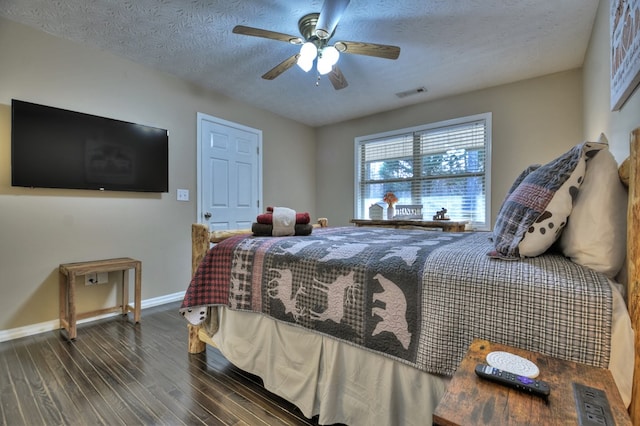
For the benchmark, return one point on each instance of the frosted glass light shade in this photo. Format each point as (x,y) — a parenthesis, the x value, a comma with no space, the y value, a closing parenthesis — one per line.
(305,64)
(324,66)
(308,51)
(330,54)
(328,58)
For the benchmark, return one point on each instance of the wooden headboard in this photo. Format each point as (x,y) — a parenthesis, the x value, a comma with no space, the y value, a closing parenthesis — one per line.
(633,262)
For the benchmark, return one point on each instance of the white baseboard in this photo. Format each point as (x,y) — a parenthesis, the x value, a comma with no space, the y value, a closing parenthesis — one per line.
(29,330)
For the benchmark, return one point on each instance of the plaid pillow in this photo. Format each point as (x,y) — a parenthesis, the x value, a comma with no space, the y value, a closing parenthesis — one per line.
(526,172)
(533,214)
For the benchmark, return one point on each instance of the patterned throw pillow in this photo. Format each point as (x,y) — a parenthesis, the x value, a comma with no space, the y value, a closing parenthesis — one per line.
(516,183)
(533,215)
(526,172)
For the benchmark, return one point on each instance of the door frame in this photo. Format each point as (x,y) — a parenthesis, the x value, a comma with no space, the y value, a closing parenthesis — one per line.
(199,184)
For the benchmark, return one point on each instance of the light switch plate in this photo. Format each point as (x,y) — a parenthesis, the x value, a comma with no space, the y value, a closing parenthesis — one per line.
(183,195)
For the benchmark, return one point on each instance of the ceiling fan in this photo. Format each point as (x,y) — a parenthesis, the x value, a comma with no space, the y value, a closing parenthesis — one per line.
(316,30)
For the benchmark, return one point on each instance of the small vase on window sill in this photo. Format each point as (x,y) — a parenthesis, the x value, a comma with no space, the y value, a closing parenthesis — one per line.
(390,198)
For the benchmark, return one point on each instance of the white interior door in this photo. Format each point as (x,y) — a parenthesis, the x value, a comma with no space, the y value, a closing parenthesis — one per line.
(229,173)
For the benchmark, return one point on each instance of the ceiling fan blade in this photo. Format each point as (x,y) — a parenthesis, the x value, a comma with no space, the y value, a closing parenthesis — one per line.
(370,49)
(273,35)
(337,78)
(329,16)
(281,67)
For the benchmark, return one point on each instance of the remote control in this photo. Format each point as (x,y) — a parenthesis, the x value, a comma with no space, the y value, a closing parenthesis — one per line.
(525,384)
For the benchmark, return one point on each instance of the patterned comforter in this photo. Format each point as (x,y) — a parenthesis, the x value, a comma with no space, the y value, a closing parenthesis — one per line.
(418,296)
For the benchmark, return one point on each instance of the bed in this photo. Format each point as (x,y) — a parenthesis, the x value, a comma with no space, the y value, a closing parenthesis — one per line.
(381,349)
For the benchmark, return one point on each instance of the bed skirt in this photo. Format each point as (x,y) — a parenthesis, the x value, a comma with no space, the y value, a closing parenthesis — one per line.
(352,385)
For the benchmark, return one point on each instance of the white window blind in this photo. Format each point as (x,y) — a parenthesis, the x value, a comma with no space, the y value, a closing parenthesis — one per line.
(444,164)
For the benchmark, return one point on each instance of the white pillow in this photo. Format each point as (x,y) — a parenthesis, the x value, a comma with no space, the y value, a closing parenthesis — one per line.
(596,232)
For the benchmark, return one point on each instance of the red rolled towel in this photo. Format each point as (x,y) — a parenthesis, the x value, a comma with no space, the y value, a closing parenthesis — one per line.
(267,218)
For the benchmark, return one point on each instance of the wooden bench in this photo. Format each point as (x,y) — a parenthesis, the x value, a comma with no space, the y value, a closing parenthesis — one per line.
(68,273)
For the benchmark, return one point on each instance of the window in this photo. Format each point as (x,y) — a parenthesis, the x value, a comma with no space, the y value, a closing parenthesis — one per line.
(445,164)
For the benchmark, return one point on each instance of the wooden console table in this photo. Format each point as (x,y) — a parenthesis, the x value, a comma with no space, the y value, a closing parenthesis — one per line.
(67,275)
(445,225)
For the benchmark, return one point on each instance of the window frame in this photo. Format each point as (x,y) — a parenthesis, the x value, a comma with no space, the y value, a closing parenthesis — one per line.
(372,138)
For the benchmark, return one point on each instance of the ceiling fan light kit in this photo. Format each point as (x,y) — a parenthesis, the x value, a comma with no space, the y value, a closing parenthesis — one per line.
(327,57)
(316,30)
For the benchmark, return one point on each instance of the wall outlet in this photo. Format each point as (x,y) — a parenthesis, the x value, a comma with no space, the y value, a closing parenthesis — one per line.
(96,278)
(91,279)
(592,406)
(182,195)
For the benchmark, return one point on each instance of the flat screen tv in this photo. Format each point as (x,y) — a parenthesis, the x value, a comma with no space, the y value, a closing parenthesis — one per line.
(57,148)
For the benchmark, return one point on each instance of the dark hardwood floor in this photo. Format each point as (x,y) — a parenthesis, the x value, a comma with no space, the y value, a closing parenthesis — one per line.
(116,372)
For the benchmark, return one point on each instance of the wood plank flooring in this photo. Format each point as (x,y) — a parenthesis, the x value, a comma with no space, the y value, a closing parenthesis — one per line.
(118,373)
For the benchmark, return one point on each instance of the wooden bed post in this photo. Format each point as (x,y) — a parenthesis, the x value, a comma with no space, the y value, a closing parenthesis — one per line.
(633,266)
(199,247)
(199,244)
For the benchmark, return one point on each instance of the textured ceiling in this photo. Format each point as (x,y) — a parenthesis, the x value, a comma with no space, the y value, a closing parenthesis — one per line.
(447,46)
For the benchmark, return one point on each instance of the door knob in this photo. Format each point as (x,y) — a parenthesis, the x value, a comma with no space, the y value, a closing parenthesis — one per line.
(207,215)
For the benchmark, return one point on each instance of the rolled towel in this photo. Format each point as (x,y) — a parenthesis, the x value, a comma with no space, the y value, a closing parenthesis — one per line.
(267,218)
(284,221)
(264,230)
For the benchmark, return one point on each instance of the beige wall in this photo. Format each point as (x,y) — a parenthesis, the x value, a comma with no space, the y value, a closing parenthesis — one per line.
(41,228)
(533,121)
(598,116)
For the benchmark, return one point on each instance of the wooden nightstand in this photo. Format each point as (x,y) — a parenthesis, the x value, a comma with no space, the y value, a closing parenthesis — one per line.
(471,400)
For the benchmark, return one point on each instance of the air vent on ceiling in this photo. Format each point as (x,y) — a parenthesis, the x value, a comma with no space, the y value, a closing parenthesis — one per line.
(412,92)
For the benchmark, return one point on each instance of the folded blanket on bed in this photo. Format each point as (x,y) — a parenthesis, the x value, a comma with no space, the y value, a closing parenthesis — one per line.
(265,230)
(267,218)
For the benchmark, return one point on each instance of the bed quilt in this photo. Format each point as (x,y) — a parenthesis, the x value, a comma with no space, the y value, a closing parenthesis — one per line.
(417,296)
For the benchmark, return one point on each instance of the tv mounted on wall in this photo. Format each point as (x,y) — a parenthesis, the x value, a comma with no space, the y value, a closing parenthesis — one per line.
(57,148)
